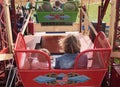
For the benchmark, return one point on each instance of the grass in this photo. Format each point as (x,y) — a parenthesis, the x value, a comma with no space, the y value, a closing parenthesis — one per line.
(93,13)
(92,10)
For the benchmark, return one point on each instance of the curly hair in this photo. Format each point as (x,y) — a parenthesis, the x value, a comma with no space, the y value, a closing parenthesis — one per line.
(57,3)
(70,44)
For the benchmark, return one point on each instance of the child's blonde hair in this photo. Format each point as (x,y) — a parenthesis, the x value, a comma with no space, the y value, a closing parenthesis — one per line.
(70,44)
(45,50)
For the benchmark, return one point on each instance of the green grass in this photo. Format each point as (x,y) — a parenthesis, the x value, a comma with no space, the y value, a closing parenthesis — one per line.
(116,60)
(92,10)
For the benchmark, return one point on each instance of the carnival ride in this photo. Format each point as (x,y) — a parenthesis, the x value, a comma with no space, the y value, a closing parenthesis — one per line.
(48,76)
(99,53)
(64,15)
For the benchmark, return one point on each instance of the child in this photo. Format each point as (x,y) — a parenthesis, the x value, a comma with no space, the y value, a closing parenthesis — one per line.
(57,6)
(36,60)
(71,46)
(39,61)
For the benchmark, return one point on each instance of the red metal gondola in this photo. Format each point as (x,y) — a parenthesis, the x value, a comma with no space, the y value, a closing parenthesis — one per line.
(48,77)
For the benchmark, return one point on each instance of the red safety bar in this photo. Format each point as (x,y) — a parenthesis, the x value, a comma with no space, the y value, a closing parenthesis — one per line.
(23,55)
(92,76)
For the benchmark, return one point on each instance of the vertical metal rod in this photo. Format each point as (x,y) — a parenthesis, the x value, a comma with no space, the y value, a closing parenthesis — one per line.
(8,25)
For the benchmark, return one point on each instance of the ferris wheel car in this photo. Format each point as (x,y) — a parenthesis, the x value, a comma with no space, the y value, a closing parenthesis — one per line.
(48,77)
